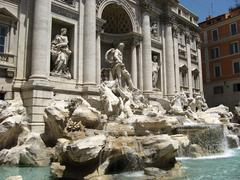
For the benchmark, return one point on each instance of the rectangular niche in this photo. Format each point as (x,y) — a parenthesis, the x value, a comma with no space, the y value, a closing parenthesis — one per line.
(157,55)
(57,25)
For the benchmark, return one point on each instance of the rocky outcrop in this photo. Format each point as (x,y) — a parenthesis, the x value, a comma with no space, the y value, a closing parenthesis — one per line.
(30,150)
(89,117)
(232,141)
(145,125)
(86,149)
(12,122)
(57,170)
(11,108)
(223,111)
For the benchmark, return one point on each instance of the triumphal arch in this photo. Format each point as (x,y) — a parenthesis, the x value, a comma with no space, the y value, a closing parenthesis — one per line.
(57,49)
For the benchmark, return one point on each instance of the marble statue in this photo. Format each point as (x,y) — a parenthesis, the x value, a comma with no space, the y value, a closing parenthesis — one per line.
(201,104)
(154,30)
(119,72)
(155,71)
(60,55)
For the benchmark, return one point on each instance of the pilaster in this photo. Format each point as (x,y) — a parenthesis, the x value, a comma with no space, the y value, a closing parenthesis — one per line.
(168,20)
(189,62)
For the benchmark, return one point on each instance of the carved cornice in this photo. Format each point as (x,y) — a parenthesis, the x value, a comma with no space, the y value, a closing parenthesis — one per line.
(65,12)
(146,5)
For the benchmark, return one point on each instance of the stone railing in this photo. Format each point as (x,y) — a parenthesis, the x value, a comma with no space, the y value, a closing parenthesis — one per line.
(7,62)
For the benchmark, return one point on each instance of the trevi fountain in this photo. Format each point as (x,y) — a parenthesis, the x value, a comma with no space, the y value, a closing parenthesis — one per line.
(83,115)
(121,135)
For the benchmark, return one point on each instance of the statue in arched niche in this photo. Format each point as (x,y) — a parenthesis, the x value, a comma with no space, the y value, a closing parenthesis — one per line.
(60,55)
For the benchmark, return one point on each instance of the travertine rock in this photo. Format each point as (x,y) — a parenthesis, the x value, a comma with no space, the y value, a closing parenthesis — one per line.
(196,150)
(11,108)
(55,122)
(30,151)
(57,170)
(116,129)
(233,141)
(159,151)
(10,129)
(145,125)
(89,117)
(223,112)
(86,149)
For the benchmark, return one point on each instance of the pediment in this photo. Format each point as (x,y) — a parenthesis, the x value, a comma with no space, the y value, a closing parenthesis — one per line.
(195,71)
(5,13)
(183,68)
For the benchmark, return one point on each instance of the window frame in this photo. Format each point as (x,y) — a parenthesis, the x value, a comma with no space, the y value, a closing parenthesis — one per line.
(213,35)
(235,51)
(238,87)
(7,36)
(220,70)
(218,93)
(232,34)
(214,55)
(233,66)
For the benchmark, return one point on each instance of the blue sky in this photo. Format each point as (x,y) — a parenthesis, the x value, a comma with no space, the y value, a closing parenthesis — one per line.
(203,8)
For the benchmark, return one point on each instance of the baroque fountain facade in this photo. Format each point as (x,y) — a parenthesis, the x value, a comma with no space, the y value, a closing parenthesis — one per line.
(105,87)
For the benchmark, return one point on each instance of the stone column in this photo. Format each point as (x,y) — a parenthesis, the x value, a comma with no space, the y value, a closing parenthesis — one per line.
(40,41)
(170,72)
(176,57)
(134,62)
(147,53)
(189,63)
(89,42)
(80,45)
(100,30)
(199,55)
(140,67)
(98,59)
(37,93)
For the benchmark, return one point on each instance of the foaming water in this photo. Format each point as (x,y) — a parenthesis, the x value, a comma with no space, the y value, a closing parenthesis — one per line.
(228,153)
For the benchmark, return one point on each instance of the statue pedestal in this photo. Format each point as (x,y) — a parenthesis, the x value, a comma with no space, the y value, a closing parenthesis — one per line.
(37,95)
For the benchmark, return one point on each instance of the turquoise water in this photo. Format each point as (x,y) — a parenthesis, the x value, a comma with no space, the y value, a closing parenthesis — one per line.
(222,167)
(28,173)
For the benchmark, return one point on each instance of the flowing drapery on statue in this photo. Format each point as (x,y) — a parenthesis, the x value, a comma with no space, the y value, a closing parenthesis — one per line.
(60,55)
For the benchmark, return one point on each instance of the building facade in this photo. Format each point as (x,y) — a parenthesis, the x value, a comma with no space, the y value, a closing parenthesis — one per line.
(55,49)
(221,58)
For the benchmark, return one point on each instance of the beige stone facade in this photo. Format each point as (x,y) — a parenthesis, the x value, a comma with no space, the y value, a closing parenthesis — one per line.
(164,29)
